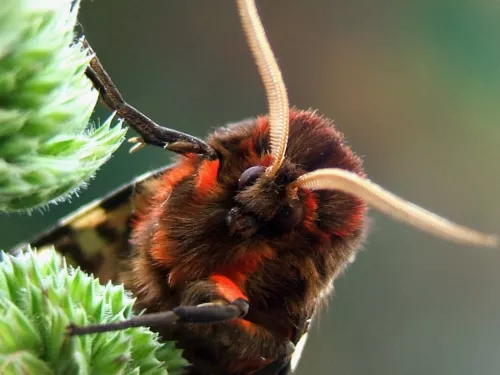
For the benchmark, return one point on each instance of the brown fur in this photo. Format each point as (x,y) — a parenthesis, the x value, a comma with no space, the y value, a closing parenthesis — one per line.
(174,236)
(283,273)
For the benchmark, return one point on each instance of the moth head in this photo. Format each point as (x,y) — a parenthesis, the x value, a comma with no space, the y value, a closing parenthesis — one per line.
(276,194)
(263,206)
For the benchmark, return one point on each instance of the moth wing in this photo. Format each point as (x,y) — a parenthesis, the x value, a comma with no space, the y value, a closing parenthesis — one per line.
(299,341)
(95,237)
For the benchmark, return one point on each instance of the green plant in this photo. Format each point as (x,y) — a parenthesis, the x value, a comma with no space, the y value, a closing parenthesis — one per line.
(47,149)
(40,296)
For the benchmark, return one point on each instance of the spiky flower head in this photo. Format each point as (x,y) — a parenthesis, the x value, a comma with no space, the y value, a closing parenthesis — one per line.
(40,296)
(47,149)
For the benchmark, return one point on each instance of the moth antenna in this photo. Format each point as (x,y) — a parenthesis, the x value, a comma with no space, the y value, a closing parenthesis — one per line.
(270,74)
(390,204)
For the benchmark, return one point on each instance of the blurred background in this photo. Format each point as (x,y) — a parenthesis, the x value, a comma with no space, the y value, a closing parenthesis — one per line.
(415,86)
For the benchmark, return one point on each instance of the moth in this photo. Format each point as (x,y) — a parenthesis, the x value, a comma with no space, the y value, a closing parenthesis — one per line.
(232,248)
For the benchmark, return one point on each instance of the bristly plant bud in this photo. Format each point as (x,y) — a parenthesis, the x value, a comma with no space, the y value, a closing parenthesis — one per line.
(40,295)
(47,149)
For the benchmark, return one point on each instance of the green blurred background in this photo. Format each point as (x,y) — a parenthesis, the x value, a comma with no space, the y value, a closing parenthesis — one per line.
(414,85)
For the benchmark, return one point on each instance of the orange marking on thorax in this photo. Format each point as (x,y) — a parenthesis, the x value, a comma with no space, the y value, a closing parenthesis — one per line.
(227,288)
(163,187)
(267,160)
(160,243)
(160,248)
(310,215)
(262,125)
(354,222)
(184,168)
(311,206)
(248,145)
(240,269)
(207,177)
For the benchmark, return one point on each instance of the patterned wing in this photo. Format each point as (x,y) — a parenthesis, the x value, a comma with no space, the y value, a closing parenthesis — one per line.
(95,237)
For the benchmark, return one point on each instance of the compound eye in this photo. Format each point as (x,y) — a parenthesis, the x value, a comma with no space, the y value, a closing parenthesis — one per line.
(250,175)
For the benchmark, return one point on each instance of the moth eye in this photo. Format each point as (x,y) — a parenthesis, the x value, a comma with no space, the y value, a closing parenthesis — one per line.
(250,175)
(290,215)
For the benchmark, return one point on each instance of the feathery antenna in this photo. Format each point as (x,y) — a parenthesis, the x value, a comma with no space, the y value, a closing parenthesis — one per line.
(271,77)
(390,204)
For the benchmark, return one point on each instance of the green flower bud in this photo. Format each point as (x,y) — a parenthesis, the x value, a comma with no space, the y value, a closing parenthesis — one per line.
(40,295)
(47,149)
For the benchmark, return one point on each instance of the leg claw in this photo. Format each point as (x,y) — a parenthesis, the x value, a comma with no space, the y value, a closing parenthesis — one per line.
(139,143)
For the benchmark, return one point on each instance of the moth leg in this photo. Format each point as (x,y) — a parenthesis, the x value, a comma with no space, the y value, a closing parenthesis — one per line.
(243,342)
(219,321)
(203,313)
(150,132)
